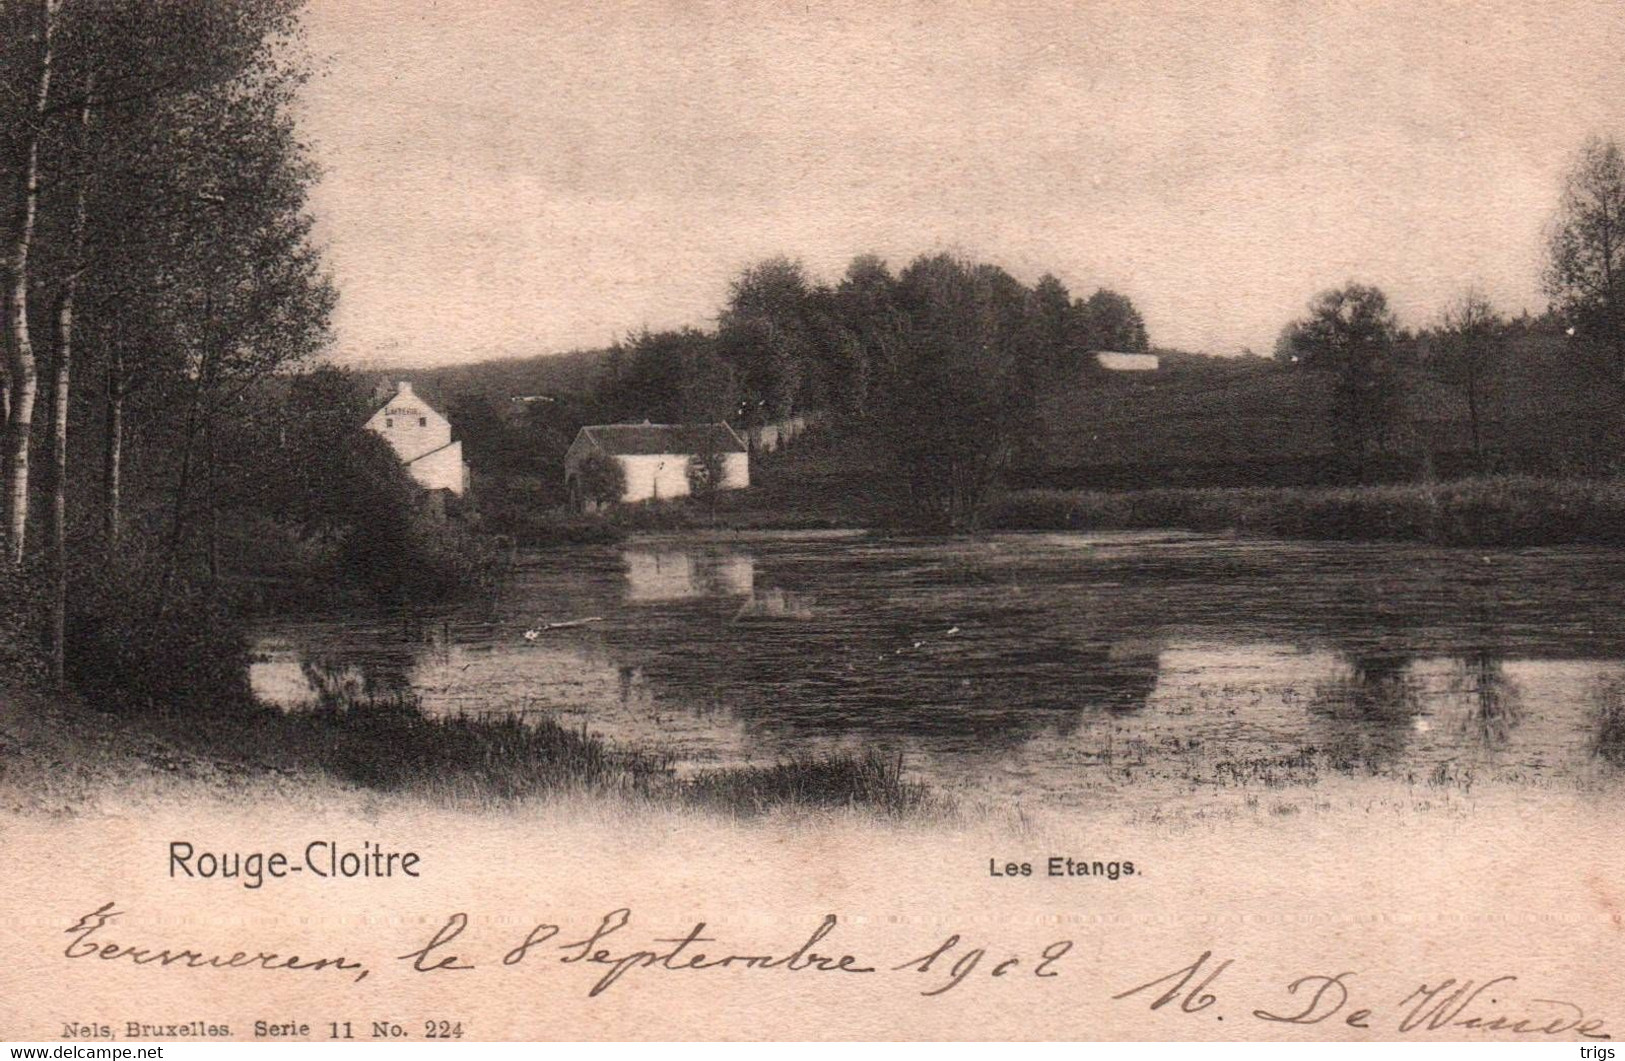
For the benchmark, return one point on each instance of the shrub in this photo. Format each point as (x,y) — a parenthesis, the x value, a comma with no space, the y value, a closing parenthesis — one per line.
(393,745)
(600,478)
(404,552)
(527,511)
(135,644)
(1498,510)
(22,601)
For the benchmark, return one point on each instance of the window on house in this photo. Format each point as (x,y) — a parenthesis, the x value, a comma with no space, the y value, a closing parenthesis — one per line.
(423,421)
(389,421)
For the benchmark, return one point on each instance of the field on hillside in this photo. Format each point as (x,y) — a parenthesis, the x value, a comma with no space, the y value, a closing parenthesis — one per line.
(1208,422)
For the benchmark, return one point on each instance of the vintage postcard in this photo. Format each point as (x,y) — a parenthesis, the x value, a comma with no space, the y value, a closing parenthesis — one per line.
(545,519)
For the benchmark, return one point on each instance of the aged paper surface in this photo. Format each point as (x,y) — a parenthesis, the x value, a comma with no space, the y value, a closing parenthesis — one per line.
(1150,782)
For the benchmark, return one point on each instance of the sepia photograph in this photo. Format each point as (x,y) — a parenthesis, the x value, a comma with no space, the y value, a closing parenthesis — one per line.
(738,519)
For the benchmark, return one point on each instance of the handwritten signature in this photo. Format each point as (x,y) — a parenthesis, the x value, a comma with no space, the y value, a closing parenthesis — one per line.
(1445,1004)
(1441,1005)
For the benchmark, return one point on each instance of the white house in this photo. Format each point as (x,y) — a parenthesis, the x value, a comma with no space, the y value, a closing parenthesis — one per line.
(1112,361)
(655,458)
(422,439)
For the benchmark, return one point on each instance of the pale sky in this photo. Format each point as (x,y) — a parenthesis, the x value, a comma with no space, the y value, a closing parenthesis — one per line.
(505,177)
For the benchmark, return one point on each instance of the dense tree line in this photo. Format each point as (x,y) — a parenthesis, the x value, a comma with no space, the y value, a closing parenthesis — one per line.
(936,369)
(1376,367)
(160,284)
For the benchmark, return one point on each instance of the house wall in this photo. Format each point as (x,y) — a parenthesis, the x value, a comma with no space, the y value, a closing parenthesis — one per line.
(665,475)
(735,471)
(441,470)
(654,475)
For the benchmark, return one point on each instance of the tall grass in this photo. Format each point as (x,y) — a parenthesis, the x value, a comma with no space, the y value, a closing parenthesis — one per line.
(391,746)
(1489,511)
(871,781)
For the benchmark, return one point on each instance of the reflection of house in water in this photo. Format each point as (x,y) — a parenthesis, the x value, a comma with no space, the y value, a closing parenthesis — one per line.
(682,574)
(771,602)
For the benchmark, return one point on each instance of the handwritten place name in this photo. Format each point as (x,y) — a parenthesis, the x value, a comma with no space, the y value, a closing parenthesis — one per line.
(612,951)
(89,941)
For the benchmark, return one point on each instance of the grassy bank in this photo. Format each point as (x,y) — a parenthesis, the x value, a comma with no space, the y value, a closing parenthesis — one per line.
(391,747)
(871,781)
(1501,510)
(394,747)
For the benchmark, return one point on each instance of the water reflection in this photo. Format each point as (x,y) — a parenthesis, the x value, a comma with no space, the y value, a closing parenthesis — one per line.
(1027,664)
(1608,743)
(771,602)
(1364,715)
(1494,701)
(661,575)
(316,670)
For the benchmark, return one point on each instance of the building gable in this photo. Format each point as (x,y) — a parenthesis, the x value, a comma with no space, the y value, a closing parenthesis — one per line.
(421,438)
(404,410)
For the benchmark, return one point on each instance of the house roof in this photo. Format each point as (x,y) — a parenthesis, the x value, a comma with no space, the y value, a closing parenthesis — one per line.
(633,439)
(403,393)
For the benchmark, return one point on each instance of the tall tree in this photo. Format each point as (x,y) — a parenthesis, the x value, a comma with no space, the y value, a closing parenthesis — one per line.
(673,377)
(765,332)
(1109,321)
(153,227)
(1050,326)
(1350,333)
(178,93)
(871,326)
(1466,351)
(1585,272)
(62,353)
(955,408)
(31,27)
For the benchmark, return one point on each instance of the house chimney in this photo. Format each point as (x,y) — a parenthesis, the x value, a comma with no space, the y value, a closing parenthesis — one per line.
(403,387)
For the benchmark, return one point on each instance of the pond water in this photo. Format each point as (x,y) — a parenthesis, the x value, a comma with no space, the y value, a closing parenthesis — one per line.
(1054,669)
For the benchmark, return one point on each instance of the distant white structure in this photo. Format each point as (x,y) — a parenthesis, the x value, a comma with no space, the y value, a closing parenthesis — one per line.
(769,438)
(422,439)
(655,457)
(1112,361)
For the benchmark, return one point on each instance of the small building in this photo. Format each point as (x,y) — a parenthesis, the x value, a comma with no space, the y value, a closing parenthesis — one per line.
(655,458)
(422,439)
(1113,361)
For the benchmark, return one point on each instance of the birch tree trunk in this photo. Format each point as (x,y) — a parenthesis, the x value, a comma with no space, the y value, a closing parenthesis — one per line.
(14,321)
(62,342)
